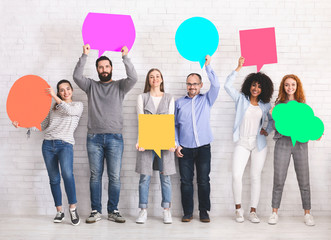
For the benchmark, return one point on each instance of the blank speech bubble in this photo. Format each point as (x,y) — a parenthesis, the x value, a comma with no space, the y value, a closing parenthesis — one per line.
(258,47)
(108,32)
(195,38)
(156,132)
(28,103)
(297,120)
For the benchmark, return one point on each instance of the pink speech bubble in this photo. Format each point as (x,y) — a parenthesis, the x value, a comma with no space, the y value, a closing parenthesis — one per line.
(258,47)
(108,32)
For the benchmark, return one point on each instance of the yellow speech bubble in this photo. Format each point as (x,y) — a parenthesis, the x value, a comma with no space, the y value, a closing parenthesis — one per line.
(156,132)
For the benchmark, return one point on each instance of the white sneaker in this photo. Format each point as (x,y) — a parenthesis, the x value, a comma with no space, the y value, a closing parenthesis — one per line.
(240,215)
(142,217)
(273,219)
(309,220)
(167,219)
(253,217)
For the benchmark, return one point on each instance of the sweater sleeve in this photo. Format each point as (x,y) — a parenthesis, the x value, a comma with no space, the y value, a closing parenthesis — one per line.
(71,110)
(83,82)
(127,84)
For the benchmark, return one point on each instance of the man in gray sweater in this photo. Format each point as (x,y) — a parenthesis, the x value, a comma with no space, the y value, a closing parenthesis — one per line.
(105,123)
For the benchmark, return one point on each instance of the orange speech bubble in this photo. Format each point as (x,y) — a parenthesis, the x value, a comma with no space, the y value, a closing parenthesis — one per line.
(28,103)
(157,132)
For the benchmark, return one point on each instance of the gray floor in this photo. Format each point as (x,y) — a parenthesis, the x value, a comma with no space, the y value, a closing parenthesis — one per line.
(42,227)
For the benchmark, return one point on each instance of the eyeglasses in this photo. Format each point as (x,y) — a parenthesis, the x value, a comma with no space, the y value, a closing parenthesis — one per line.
(192,84)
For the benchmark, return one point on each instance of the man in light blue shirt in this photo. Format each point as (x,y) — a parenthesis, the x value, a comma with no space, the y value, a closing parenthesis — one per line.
(193,138)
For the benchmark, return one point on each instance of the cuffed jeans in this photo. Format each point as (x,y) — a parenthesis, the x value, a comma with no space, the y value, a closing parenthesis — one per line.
(144,183)
(201,157)
(55,153)
(109,146)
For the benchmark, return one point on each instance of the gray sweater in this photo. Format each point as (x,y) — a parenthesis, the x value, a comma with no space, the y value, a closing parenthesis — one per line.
(105,99)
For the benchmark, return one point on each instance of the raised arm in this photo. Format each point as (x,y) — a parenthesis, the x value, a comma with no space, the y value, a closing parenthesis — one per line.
(228,86)
(127,84)
(214,83)
(83,82)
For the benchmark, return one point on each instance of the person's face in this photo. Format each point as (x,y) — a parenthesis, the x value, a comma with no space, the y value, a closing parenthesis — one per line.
(193,85)
(155,79)
(65,92)
(255,89)
(104,70)
(290,86)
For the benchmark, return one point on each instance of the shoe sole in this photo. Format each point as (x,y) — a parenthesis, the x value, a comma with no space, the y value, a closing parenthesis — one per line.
(272,223)
(76,223)
(98,219)
(118,221)
(58,221)
(187,219)
(205,220)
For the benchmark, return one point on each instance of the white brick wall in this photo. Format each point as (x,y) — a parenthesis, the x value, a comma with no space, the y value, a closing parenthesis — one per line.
(44,38)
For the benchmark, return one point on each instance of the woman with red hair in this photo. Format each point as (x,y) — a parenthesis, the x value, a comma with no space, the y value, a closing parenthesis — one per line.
(290,89)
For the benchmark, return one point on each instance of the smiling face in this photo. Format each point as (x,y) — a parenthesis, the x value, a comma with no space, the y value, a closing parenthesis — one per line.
(155,79)
(290,87)
(65,92)
(193,85)
(255,89)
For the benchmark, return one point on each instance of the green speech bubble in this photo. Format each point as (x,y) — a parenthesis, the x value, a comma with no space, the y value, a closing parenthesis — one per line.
(297,120)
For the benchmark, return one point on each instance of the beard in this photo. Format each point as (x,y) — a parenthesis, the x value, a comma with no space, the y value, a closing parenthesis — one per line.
(105,78)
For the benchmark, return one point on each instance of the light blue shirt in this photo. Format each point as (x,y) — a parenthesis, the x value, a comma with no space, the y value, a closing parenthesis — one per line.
(192,115)
(242,103)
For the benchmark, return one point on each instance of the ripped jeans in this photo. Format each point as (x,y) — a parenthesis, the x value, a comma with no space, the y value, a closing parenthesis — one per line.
(144,183)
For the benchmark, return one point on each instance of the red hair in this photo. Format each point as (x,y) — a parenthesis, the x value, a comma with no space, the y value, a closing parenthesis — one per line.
(299,94)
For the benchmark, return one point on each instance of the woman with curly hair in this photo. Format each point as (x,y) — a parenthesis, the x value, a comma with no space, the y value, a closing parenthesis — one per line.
(252,109)
(290,89)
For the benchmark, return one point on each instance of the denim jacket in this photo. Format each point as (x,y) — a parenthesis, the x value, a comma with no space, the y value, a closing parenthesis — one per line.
(242,104)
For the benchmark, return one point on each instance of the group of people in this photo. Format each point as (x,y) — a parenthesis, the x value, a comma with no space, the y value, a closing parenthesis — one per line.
(193,136)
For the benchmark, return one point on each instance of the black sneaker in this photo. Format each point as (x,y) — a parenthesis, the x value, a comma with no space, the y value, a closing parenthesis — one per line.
(204,217)
(74,217)
(59,217)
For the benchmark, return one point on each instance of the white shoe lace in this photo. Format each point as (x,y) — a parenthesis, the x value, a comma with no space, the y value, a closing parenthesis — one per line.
(73,214)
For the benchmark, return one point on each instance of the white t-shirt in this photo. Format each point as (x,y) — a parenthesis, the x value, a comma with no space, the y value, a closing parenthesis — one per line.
(251,122)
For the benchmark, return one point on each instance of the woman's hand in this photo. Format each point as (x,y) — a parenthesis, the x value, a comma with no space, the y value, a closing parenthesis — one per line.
(140,149)
(263,132)
(51,92)
(172,149)
(271,110)
(240,63)
(15,123)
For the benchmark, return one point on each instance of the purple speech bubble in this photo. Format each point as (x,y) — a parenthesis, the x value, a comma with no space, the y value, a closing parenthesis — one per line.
(108,32)
(258,47)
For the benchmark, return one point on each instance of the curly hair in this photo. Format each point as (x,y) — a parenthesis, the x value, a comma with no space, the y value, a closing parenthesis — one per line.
(299,94)
(267,87)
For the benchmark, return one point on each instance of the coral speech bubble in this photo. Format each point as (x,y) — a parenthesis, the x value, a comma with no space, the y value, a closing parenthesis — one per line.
(28,103)
(108,32)
(195,38)
(157,132)
(258,47)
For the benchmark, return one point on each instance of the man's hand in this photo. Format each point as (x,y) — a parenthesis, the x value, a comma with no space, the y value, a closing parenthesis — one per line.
(208,59)
(178,152)
(86,49)
(124,51)
(15,123)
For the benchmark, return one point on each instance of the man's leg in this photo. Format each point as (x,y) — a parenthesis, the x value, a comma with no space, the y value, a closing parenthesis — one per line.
(186,169)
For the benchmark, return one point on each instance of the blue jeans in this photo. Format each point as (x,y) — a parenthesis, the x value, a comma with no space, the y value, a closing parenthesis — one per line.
(144,182)
(57,152)
(109,146)
(201,157)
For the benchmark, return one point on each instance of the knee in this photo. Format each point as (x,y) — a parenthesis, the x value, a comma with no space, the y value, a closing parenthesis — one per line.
(55,180)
